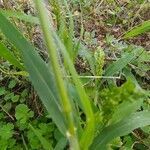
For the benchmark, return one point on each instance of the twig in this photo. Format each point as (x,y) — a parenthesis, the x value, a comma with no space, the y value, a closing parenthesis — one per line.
(7,112)
(110,59)
(96,77)
(34,97)
(24,142)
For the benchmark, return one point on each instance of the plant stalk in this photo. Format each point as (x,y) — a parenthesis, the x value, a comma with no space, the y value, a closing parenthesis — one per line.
(89,131)
(52,50)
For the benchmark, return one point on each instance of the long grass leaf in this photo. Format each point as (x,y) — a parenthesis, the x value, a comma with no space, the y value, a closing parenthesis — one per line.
(20,16)
(121,63)
(61,144)
(130,76)
(142,28)
(125,109)
(125,126)
(53,54)
(88,133)
(8,55)
(40,74)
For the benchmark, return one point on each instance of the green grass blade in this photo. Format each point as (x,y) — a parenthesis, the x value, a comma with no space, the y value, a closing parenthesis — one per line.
(121,63)
(130,76)
(40,74)
(88,133)
(66,25)
(61,144)
(53,54)
(20,16)
(46,144)
(137,30)
(125,109)
(139,119)
(71,36)
(8,55)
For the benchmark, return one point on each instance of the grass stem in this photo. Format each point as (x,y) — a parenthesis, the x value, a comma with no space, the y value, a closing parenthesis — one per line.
(52,50)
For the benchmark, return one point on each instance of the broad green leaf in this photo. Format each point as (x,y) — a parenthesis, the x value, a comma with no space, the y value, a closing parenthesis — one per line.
(40,74)
(129,75)
(124,127)
(8,55)
(46,144)
(61,144)
(20,16)
(142,28)
(121,63)
(125,109)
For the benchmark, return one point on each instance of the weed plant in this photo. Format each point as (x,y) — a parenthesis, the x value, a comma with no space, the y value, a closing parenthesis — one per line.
(106,106)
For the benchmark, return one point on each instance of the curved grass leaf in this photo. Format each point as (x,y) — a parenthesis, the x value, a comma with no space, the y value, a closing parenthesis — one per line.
(125,126)
(121,63)
(130,76)
(125,109)
(39,72)
(143,28)
(20,16)
(88,132)
(55,63)
(61,144)
(8,55)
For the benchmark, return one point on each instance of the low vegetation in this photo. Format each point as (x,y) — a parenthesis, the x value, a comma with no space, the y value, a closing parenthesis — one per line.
(74,75)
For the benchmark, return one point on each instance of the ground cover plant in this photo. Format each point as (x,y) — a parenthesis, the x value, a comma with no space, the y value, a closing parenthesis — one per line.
(74,75)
